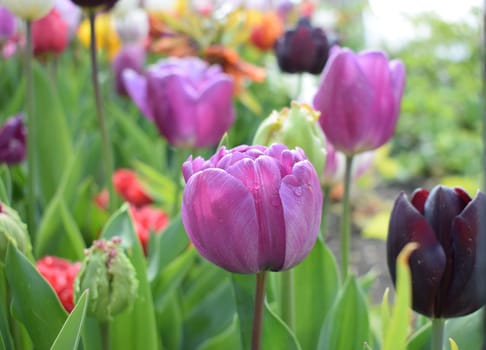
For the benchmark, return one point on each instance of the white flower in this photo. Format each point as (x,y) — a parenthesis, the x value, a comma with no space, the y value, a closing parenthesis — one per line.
(132,28)
(124,7)
(29,9)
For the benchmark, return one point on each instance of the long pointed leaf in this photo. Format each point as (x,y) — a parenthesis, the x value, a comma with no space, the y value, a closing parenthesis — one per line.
(43,320)
(68,337)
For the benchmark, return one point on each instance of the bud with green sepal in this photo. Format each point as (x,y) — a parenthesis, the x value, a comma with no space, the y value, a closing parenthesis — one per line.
(13,231)
(295,127)
(110,277)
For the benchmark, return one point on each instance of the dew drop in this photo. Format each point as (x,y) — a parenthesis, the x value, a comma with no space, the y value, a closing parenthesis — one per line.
(298,191)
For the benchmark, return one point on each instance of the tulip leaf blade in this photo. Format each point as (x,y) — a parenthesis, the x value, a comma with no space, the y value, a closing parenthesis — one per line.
(43,320)
(228,339)
(53,138)
(349,312)
(396,326)
(134,328)
(5,336)
(69,336)
(276,334)
(317,279)
(453,344)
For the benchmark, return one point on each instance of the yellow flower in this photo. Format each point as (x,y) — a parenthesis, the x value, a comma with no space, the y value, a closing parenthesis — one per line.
(107,39)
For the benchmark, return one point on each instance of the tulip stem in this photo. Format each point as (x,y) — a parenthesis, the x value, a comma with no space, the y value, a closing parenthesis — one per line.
(345,219)
(105,140)
(438,334)
(256,338)
(287,298)
(326,189)
(105,335)
(31,138)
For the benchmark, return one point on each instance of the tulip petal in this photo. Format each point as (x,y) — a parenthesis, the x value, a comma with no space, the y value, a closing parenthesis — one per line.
(214,112)
(136,86)
(262,178)
(345,100)
(419,197)
(374,65)
(462,295)
(221,223)
(427,263)
(301,198)
(398,76)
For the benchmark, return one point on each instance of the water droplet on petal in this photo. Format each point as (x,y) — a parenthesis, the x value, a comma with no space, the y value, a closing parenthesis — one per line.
(298,191)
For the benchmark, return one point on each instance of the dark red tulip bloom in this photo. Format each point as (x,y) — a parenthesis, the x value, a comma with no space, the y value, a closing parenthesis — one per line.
(12,141)
(303,49)
(445,223)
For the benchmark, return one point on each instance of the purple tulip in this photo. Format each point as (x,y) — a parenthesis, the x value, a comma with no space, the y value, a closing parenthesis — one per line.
(12,141)
(252,208)
(7,24)
(445,224)
(359,99)
(190,102)
(129,57)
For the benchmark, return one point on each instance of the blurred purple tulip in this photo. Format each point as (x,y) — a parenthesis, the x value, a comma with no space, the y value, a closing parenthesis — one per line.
(252,208)
(359,99)
(129,57)
(71,15)
(190,102)
(302,49)
(7,24)
(445,223)
(12,140)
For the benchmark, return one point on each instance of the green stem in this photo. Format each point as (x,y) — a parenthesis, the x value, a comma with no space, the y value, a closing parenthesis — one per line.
(178,157)
(326,189)
(31,139)
(300,78)
(105,140)
(345,219)
(105,335)
(256,338)
(437,334)
(287,298)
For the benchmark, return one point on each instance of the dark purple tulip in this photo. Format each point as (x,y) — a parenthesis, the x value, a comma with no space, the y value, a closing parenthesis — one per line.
(129,57)
(445,223)
(190,101)
(95,3)
(302,49)
(12,141)
(252,208)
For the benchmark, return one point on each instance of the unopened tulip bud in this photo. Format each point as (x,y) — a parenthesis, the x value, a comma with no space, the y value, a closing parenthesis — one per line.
(110,277)
(13,231)
(295,127)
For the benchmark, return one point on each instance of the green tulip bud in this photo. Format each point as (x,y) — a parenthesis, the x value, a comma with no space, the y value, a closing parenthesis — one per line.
(295,127)
(13,231)
(110,277)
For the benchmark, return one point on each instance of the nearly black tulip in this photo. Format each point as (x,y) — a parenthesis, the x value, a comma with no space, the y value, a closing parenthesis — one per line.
(445,223)
(95,3)
(302,49)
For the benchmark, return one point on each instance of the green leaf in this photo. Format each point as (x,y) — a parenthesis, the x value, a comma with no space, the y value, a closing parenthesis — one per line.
(275,335)
(68,337)
(228,339)
(316,284)
(168,245)
(5,336)
(53,139)
(347,324)
(159,186)
(43,320)
(395,325)
(169,323)
(134,328)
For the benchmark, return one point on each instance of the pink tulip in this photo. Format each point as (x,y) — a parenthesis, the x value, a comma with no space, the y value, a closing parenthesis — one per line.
(359,99)
(252,208)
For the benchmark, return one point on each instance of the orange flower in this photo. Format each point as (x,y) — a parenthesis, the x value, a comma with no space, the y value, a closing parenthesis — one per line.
(232,64)
(267,31)
(127,185)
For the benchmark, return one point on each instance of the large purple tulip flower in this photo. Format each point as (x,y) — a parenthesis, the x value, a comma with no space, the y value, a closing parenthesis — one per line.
(190,102)
(445,224)
(252,208)
(359,99)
